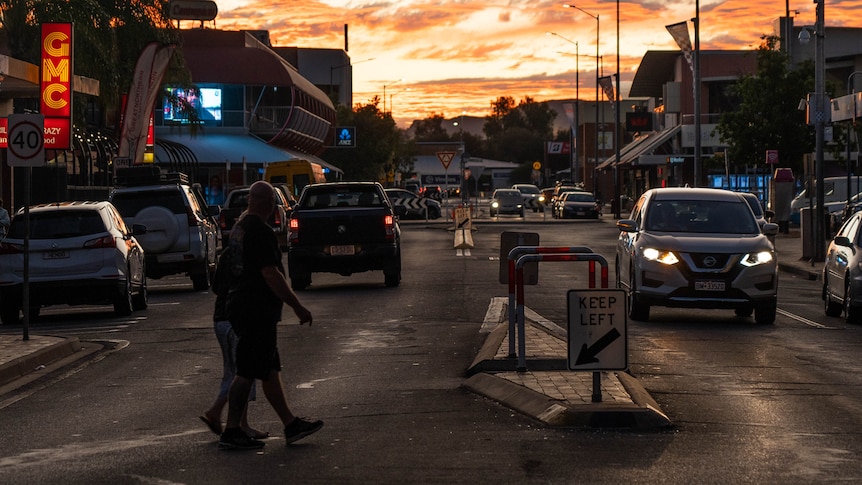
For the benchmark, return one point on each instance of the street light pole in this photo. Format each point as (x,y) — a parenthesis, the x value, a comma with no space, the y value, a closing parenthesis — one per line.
(384,93)
(819,127)
(574,166)
(696,94)
(617,189)
(598,99)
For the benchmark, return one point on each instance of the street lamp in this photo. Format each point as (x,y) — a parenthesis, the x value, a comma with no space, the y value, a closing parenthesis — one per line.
(617,190)
(819,247)
(384,92)
(598,100)
(332,70)
(576,140)
(393,94)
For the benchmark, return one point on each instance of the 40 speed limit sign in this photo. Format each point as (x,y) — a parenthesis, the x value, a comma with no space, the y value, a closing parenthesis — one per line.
(26,140)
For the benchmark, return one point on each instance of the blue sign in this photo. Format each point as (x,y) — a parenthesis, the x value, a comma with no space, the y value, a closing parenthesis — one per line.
(345,136)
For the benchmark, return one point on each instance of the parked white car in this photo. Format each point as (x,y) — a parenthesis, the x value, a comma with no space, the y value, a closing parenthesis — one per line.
(697,248)
(80,253)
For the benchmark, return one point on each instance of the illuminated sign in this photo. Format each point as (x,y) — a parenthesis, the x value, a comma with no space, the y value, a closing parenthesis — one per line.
(56,84)
(58,133)
(192,10)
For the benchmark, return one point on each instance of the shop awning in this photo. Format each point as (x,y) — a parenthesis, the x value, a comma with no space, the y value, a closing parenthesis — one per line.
(643,145)
(222,148)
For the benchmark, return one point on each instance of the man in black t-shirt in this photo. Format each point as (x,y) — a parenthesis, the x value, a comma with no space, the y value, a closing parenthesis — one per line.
(257,291)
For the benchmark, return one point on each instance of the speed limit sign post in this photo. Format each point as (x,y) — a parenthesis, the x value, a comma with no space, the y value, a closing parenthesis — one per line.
(26,140)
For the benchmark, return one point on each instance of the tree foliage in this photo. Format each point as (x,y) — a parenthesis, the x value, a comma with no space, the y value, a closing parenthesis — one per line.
(767,115)
(380,146)
(517,133)
(110,33)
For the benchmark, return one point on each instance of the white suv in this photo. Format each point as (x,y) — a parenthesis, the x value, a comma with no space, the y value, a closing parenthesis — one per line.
(697,248)
(80,253)
(181,235)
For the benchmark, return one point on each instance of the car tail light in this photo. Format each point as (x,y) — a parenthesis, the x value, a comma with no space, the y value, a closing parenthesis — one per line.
(101,243)
(389,226)
(6,248)
(277,219)
(293,232)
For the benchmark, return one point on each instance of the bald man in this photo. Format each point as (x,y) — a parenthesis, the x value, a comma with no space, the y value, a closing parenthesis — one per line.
(254,305)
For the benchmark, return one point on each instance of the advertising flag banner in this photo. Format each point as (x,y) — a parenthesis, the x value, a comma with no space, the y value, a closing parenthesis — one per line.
(607,84)
(679,32)
(147,77)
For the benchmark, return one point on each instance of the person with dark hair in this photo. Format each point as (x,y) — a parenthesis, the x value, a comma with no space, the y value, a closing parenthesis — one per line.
(254,304)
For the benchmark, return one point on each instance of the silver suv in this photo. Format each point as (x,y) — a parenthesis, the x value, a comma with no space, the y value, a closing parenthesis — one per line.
(181,236)
(697,248)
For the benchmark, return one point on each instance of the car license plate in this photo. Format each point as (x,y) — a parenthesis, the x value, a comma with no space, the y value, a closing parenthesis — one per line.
(341,250)
(55,254)
(709,285)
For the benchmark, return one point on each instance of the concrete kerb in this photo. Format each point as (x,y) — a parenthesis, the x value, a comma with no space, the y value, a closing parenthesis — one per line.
(54,354)
(643,413)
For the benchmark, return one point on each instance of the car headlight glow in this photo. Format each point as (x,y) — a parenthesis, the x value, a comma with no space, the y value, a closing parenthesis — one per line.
(664,257)
(495,204)
(753,259)
(541,198)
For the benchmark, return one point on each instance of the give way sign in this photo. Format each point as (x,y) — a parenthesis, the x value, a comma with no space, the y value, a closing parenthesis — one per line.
(26,140)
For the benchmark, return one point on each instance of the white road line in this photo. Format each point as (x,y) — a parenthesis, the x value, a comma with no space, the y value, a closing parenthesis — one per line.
(804,320)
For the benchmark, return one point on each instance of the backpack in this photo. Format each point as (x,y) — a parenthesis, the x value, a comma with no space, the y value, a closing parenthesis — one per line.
(223,272)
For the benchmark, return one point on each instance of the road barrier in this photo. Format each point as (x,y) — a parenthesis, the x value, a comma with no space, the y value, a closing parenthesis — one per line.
(521,255)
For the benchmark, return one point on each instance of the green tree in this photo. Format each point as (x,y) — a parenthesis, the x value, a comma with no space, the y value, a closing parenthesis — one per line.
(380,145)
(518,133)
(431,129)
(767,117)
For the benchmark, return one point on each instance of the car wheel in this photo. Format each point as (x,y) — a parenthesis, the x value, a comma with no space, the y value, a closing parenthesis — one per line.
(123,301)
(852,314)
(9,313)
(392,272)
(764,314)
(140,300)
(831,307)
(637,310)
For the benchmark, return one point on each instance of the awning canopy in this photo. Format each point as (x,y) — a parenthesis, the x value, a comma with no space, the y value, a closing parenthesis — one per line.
(221,148)
(642,145)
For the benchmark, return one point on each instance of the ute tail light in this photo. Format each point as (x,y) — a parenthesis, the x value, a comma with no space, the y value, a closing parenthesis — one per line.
(101,243)
(277,219)
(7,248)
(389,226)
(293,231)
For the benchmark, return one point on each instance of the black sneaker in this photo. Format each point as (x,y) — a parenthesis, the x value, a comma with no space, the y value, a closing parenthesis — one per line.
(300,428)
(236,439)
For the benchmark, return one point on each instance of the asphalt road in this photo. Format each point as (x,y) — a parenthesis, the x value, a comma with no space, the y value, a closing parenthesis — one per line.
(383,368)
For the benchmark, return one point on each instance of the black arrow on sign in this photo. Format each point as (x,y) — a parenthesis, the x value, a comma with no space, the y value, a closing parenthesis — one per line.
(588,354)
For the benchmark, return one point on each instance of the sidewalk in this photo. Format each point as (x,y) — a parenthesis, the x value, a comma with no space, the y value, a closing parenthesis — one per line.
(547,391)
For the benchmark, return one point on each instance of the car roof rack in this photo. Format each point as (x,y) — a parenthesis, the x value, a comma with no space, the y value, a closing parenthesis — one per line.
(147,175)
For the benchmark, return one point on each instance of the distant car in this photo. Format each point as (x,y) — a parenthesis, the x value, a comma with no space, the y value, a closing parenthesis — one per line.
(757,208)
(80,253)
(181,236)
(842,272)
(434,192)
(556,206)
(697,248)
(507,201)
(414,187)
(417,207)
(575,205)
(533,197)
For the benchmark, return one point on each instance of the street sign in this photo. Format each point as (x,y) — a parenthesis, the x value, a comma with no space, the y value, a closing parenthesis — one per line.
(597,330)
(771,156)
(445,158)
(26,140)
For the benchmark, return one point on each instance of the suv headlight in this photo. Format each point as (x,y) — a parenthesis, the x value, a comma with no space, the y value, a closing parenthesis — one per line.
(753,259)
(664,257)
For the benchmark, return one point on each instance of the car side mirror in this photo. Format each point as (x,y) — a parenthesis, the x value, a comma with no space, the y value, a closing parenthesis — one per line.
(768,214)
(627,225)
(843,241)
(770,229)
(138,229)
(213,210)
(400,210)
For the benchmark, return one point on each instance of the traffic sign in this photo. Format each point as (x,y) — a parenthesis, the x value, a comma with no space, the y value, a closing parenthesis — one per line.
(771,156)
(26,140)
(445,158)
(597,330)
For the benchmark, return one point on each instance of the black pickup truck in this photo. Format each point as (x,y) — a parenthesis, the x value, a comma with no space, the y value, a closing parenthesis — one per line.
(344,228)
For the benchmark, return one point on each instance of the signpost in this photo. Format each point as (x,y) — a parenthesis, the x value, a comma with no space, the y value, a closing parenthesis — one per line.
(26,143)
(597,330)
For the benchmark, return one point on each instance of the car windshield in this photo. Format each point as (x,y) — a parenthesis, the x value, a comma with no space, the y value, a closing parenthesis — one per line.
(573,197)
(700,216)
(58,225)
(528,189)
(342,198)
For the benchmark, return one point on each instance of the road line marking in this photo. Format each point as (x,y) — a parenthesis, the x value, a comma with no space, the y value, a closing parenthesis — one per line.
(804,320)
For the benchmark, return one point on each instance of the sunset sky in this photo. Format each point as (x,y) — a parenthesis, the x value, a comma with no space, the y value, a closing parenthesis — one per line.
(454,57)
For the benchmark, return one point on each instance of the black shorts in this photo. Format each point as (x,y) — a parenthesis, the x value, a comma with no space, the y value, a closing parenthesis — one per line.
(257,351)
